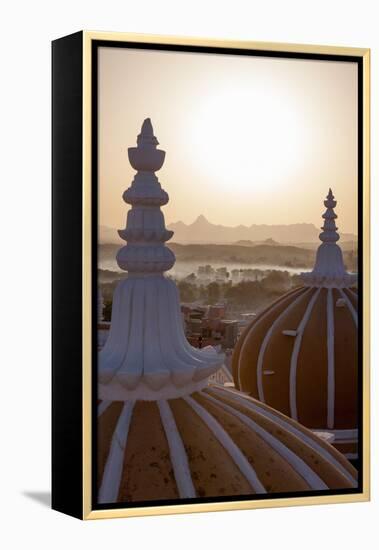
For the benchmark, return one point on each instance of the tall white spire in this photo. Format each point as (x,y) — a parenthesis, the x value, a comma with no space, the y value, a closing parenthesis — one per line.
(147,355)
(329,270)
(145,230)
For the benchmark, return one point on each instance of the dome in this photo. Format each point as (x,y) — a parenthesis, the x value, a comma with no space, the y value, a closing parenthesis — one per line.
(300,355)
(213,443)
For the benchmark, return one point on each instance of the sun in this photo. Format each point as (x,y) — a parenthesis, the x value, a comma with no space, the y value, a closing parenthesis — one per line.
(248,137)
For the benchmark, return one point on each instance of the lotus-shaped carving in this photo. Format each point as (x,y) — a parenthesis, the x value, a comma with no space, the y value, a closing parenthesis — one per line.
(146,159)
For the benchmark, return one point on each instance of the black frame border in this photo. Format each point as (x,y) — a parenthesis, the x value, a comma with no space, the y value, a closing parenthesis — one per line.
(67,261)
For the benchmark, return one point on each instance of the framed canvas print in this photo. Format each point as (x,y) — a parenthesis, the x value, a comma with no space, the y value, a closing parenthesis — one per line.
(210,275)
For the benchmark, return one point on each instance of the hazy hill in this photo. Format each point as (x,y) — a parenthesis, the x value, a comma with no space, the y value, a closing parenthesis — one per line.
(262,254)
(290,256)
(201,231)
(245,242)
(345,245)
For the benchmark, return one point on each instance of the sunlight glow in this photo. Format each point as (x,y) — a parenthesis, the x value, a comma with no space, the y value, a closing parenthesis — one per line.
(245,138)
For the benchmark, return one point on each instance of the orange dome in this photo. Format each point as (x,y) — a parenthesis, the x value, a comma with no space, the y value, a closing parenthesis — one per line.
(216,442)
(300,355)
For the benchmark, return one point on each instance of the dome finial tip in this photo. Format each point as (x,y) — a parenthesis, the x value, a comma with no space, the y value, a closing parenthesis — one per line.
(147,128)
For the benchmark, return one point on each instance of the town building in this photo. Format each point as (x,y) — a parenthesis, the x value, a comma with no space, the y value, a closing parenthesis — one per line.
(102,326)
(206,325)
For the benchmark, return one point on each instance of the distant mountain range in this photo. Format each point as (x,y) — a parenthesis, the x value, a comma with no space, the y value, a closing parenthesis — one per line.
(201,231)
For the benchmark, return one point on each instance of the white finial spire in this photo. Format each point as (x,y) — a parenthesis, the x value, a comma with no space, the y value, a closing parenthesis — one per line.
(145,230)
(329,270)
(329,233)
(147,355)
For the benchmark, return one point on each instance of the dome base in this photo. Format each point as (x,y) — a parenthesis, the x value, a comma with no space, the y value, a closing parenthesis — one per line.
(147,353)
(115,391)
(213,443)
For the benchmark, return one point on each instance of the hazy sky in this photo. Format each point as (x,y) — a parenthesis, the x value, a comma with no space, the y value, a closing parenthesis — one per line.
(247,139)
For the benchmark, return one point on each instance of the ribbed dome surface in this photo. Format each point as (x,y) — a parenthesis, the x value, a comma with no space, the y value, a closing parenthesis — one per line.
(300,356)
(216,442)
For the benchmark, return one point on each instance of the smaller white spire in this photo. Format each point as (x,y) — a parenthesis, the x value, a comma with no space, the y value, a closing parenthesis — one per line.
(329,270)
(329,233)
